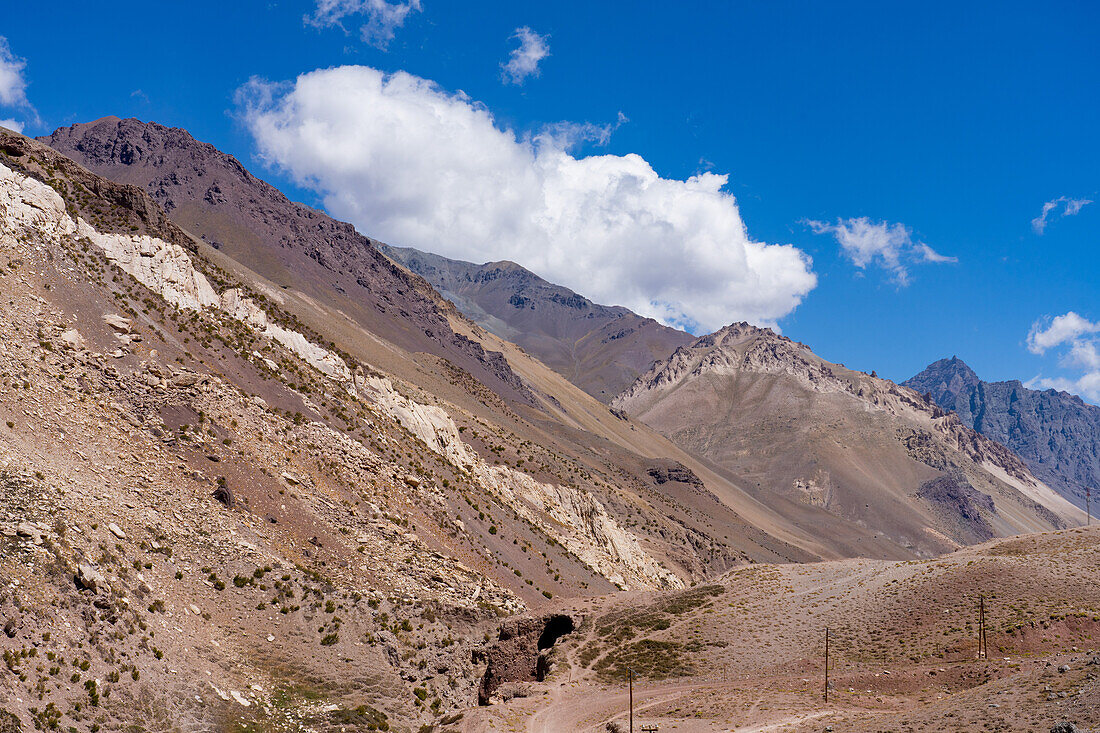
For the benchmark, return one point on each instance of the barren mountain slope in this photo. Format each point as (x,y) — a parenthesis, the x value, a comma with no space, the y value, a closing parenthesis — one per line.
(213,196)
(770,410)
(712,511)
(601,349)
(746,653)
(216,511)
(1056,433)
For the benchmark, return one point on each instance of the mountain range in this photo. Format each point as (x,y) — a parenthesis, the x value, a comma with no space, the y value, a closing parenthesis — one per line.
(263,472)
(1056,433)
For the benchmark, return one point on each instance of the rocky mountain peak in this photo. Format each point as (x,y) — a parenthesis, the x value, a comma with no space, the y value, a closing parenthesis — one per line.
(742,354)
(944,377)
(1056,433)
(600,348)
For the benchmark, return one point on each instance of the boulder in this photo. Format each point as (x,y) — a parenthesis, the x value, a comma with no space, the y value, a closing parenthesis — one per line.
(1065,727)
(118,323)
(88,578)
(72,339)
(224,495)
(29,531)
(11,626)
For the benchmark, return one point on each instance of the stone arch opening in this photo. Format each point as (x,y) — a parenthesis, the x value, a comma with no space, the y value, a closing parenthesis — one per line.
(556,627)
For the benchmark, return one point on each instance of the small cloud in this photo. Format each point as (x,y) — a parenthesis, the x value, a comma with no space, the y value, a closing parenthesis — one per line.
(524,60)
(1087,386)
(891,246)
(14,125)
(1050,332)
(1070,207)
(571,135)
(382,18)
(931,255)
(1083,354)
(13,87)
(139,94)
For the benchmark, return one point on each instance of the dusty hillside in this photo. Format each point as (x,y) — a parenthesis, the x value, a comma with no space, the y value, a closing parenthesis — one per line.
(216,513)
(601,349)
(1056,433)
(770,410)
(700,525)
(229,503)
(746,651)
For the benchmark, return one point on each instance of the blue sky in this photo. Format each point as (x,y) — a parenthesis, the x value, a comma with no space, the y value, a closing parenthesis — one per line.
(950,125)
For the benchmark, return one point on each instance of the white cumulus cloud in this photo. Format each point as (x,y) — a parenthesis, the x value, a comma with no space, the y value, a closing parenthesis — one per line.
(1065,329)
(13,86)
(891,246)
(524,59)
(1070,207)
(1079,339)
(381,18)
(412,164)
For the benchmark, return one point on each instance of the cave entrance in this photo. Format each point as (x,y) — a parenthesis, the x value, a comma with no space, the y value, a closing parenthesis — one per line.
(556,627)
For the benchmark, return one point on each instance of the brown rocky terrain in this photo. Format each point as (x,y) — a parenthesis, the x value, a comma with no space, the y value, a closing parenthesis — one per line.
(772,411)
(231,501)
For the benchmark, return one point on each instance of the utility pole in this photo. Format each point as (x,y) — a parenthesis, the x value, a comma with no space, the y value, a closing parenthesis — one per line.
(826,664)
(983,649)
(1088,506)
(630,681)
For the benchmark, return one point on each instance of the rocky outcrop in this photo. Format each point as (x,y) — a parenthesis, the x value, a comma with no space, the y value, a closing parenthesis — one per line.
(582,524)
(521,652)
(1056,433)
(676,471)
(27,205)
(957,501)
(574,518)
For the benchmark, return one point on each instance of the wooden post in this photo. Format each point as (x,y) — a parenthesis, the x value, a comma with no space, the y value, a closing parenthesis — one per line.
(983,650)
(1088,506)
(630,680)
(826,664)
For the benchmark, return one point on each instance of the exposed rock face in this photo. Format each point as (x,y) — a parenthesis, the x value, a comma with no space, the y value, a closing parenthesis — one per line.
(211,194)
(675,472)
(600,348)
(863,448)
(520,653)
(165,268)
(959,502)
(574,518)
(1056,433)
